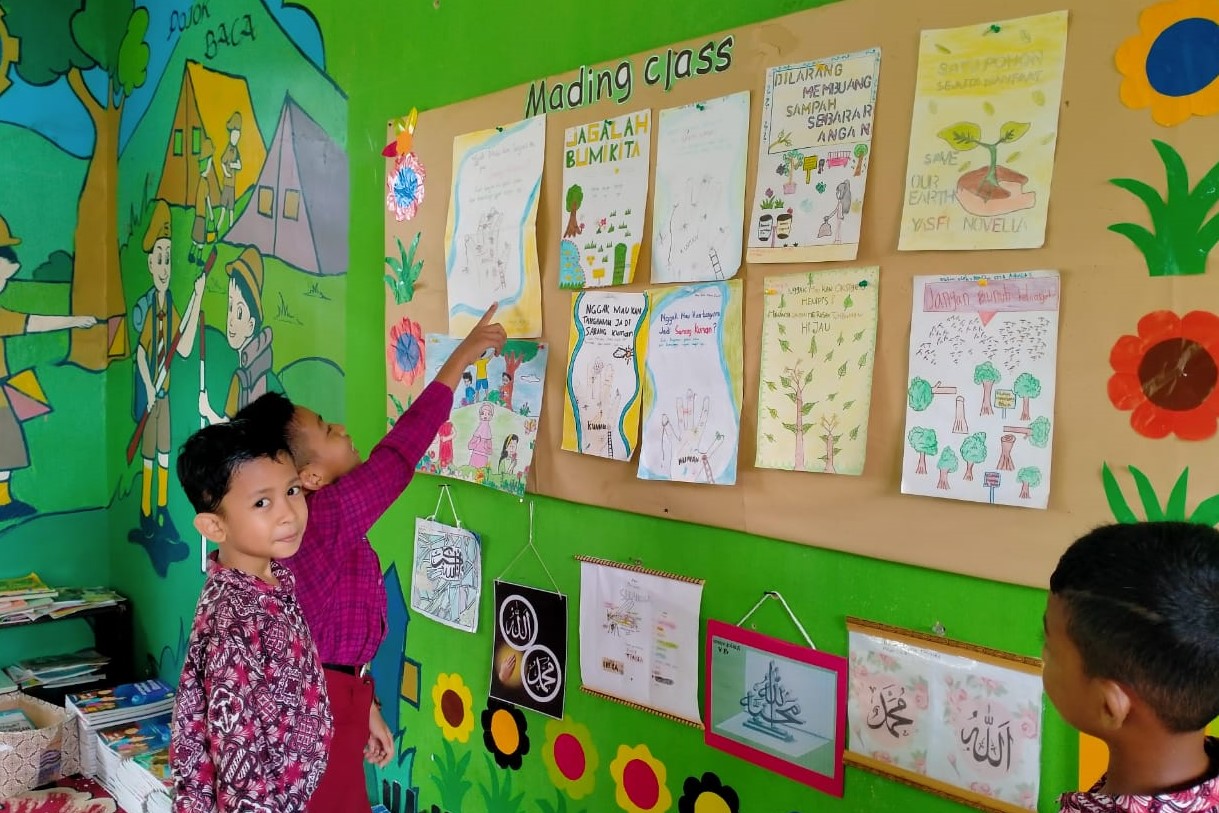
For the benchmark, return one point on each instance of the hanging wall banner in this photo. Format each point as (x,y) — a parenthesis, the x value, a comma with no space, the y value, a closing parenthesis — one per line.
(529,654)
(448,573)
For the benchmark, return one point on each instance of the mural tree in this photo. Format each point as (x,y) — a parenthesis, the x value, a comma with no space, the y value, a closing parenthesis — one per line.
(575,199)
(923,440)
(947,465)
(986,375)
(516,353)
(973,452)
(69,39)
(1026,387)
(1029,477)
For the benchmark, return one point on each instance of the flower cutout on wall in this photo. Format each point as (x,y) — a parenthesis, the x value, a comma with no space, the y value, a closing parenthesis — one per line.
(454,707)
(504,734)
(640,781)
(1167,375)
(406,350)
(1172,64)
(707,795)
(404,186)
(570,757)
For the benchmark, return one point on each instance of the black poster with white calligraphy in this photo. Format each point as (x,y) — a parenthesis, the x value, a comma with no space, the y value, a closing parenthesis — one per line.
(529,655)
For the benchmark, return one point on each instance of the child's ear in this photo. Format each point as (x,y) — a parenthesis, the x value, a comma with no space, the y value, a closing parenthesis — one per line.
(211,526)
(1116,703)
(312,477)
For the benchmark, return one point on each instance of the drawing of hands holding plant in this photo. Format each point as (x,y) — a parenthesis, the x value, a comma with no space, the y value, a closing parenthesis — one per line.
(598,402)
(682,447)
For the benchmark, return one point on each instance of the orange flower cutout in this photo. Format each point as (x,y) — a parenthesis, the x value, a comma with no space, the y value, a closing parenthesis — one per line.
(1167,375)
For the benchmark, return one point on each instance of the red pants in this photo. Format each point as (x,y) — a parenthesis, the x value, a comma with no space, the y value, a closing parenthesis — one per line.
(342,787)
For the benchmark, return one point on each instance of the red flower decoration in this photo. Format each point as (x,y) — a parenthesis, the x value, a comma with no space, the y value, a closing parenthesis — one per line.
(406,351)
(1167,375)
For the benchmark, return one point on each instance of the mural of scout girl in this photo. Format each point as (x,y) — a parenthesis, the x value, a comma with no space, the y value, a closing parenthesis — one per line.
(247,335)
(163,333)
(19,392)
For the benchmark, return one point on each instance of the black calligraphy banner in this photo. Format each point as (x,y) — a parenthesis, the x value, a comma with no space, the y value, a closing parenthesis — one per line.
(529,654)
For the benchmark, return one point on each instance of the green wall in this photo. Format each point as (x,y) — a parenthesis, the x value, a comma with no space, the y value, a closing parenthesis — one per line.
(418,54)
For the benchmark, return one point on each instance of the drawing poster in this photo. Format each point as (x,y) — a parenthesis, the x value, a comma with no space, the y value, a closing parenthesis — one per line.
(447,574)
(605,191)
(604,391)
(692,384)
(813,159)
(529,658)
(815,385)
(490,434)
(980,397)
(699,206)
(970,724)
(639,638)
(490,245)
(983,135)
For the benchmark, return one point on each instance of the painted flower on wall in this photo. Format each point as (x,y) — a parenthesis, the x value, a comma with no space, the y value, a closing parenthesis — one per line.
(570,757)
(1172,64)
(1166,376)
(707,795)
(504,734)
(640,781)
(405,351)
(404,186)
(454,712)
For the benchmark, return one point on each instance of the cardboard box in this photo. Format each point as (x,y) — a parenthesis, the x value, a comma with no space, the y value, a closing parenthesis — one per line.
(30,759)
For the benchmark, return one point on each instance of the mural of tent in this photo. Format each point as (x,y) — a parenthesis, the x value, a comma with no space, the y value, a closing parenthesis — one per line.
(206,102)
(298,212)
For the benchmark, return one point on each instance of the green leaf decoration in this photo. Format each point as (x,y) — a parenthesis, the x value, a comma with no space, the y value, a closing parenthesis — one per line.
(785,381)
(988,108)
(1012,130)
(859,335)
(785,346)
(774,413)
(770,385)
(1207,512)
(1038,98)
(782,329)
(848,302)
(1014,157)
(808,377)
(1116,499)
(854,433)
(863,361)
(807,408)
(962,136)
(1147,494)
(848,404)
(1174,511)
(842,371)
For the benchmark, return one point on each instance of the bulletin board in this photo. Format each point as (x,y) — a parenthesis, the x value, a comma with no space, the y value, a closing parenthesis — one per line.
(1106,290)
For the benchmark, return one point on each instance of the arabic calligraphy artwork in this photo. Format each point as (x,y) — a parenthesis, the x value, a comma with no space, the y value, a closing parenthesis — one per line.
(604,373)
(529,653)
(776,704)
(639,637)
(490,246)
(980,400)
(447,572)
(692,388)
(813,159)
(959,719)
(983,135)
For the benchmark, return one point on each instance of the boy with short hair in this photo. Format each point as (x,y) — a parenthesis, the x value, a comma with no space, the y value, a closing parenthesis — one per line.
(252,723)
(1132,658)
(338,573)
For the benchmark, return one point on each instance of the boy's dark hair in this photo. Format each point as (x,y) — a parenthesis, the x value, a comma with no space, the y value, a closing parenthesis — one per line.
(247,296)
(1142,608)
(467,376)
(8,253)
(272,413)
(210,457)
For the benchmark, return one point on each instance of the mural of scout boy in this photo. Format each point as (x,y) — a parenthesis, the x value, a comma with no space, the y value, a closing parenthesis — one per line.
(230,165)
(163,333)
(207,201)
(14,454)
(248,336)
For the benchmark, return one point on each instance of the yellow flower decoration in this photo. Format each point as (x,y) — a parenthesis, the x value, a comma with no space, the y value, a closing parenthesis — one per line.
(1172,64)
(640,779)
(454,707)
(571,760)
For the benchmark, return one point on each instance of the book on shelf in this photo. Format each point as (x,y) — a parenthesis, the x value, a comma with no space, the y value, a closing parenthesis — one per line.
(24,587)
(50,671)
(13,720)
(7,684)
(66,601)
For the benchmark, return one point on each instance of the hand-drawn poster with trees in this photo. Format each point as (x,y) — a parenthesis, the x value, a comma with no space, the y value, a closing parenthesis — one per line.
(816,136)
(815,385)
(980,396)
(605,190)
(983,135)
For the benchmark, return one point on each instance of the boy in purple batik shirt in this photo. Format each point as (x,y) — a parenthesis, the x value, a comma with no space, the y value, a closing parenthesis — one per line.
(338,575)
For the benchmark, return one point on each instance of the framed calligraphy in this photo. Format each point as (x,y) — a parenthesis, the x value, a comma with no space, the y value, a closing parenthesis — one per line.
(529,654)
(959,720)
(779,705)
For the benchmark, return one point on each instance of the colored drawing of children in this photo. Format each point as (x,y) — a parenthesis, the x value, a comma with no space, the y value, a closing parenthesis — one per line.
(467,382)
(247,335)
(207,199)
(507,456)
(230,165)
(160,328)
(482,387)
(445,436)
(14,454)
(505,391)
(480,443)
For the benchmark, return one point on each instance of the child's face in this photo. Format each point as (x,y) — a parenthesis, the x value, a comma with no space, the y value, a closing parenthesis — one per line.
(326,447)
(263,516)
(241,320)
(158,264)
(1076,695)
(8,270)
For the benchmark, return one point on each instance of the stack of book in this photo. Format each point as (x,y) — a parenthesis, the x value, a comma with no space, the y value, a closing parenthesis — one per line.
(116,706)
(133,763)
(59,603)
(57,671)
(21,596)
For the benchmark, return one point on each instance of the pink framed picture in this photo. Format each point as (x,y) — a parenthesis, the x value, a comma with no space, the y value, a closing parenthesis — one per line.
(779,705)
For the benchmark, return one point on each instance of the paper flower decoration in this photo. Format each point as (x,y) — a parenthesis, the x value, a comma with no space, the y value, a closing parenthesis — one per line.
(454,712)
(504,734)
(1172,64)
(1167,375)
(404,187)
(570,757)
(406,351)
(707,795)
(640,781)
(405,139)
